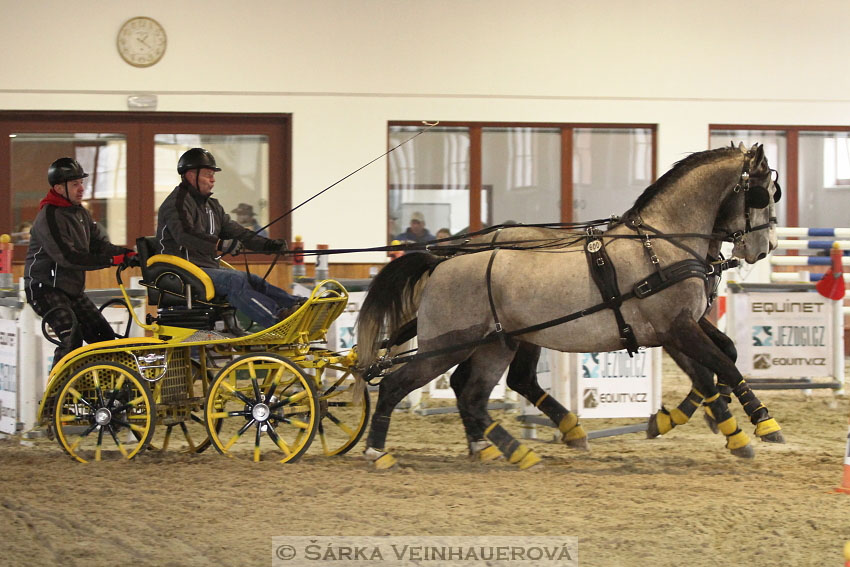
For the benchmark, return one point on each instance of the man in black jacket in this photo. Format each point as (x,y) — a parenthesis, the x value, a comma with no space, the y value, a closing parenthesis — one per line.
(190,224)
(64,244)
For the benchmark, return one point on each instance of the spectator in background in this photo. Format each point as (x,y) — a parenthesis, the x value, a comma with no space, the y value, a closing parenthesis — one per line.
(246,217)
(416,232)
(22,233)
(444,233)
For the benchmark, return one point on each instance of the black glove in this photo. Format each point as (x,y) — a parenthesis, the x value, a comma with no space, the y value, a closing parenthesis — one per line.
(132,261)
(276,245)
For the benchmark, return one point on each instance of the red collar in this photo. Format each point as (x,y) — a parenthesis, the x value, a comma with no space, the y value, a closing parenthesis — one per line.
(53,199)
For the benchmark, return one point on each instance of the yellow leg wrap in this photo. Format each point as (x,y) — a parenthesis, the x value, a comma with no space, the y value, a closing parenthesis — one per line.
(728,427)
(518,454)
(709,412)
(385,461)
(766,427)
(568,422)
(576,432)
(711,399)
(490,428)
(678,416)
(664,422)
(489,453)
(529,460)
(524,457)
(540,401)
(737,441)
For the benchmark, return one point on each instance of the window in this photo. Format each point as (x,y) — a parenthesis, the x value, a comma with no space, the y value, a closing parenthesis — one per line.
(836,160)
(813,164)
(103,157)
(464,176)
(132,162)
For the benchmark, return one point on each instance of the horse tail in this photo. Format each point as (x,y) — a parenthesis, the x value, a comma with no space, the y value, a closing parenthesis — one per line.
(392,302)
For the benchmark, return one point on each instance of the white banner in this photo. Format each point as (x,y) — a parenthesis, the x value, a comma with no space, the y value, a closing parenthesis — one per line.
(8,376)
(615,385)
(782,335)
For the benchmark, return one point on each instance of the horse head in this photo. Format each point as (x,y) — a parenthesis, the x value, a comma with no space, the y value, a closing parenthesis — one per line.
(748,214)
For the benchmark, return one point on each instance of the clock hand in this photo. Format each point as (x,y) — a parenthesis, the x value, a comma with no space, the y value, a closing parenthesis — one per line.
(142,37)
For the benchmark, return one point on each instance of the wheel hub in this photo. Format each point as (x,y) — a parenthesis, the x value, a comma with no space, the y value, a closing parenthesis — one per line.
(260,412)
(103,416)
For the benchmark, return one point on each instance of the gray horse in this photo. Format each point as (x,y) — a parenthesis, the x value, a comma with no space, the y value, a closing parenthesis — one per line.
(472,305)
(522,372)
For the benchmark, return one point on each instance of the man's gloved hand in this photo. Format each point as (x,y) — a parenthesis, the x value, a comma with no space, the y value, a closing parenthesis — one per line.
(126,259)
(276,245)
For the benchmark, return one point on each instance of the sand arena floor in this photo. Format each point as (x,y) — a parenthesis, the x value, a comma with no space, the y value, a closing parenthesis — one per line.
(674,501)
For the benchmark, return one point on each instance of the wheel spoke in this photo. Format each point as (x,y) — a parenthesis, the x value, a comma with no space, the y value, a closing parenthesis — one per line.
(288,420)
(290,400)
(238,434)
(348,431)
(257,438)
(278,441)
(275,381)
(99,445)
(78,397)
(118,443)
(236,392)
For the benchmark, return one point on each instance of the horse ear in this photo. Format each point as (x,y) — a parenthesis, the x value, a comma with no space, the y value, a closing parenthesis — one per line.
(742,148)
(760,154)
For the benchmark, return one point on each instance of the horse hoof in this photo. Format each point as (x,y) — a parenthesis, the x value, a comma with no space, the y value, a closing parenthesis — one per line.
(579,444)
(745,452)
(775,437)
(487,454)
(709,421)
(380,460)
(652,427)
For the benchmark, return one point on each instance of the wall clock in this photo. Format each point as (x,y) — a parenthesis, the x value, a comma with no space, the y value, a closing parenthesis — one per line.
(141,41)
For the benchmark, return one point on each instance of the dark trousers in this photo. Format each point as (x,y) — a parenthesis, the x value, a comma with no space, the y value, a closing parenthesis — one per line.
(91,324)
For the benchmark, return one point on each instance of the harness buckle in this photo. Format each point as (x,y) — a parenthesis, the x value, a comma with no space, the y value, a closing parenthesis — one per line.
(654,259)
(600,261)
(737,235)
(643,289)
(498,327)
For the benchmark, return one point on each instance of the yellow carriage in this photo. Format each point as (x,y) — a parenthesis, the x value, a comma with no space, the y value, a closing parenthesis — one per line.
(198,380)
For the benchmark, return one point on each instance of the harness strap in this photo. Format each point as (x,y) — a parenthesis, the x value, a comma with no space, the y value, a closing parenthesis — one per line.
(605,276)
(490,290)
(673,274)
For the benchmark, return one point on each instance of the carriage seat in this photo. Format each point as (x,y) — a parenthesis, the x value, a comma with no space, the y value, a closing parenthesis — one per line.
(183,293)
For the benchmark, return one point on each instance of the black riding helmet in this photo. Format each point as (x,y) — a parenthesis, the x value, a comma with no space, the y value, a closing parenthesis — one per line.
(196,158)
(63,170)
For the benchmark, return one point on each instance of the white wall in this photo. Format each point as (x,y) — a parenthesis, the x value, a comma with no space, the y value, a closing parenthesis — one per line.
(344,68)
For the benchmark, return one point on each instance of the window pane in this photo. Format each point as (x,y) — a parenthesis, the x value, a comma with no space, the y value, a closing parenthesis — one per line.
(521,175)
(775,148)
(103,157)
(242,183)
(824,181)
(429,175)
(611,168)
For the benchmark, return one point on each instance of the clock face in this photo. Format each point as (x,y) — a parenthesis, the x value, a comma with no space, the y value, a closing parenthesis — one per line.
(141,41)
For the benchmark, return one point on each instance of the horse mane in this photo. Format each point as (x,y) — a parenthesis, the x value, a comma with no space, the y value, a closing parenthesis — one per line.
(679,169)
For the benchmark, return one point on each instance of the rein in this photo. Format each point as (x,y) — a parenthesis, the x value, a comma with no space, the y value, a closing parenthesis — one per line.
(603,273)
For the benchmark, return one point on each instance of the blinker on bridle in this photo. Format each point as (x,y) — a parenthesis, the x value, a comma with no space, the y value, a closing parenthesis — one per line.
(755,197)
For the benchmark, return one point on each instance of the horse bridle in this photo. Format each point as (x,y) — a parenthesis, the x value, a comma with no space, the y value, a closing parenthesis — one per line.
(755,197)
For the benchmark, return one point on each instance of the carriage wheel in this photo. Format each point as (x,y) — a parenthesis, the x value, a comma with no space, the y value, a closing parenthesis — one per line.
(187,435)
(344,417)
(104,412)
(261,405)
